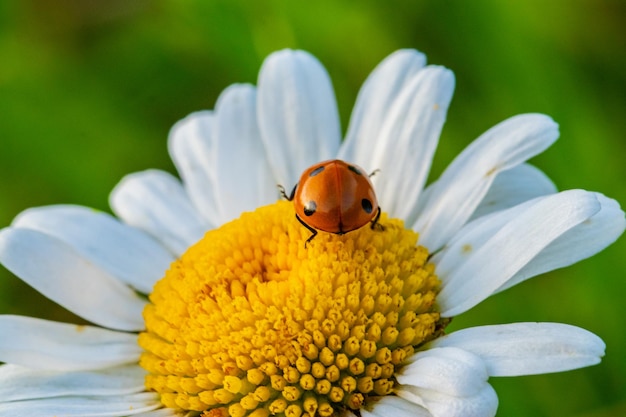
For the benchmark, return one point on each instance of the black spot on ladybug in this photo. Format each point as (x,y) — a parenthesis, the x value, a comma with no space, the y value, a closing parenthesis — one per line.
(367,205)
(310,207)
(316,171)
(354,169)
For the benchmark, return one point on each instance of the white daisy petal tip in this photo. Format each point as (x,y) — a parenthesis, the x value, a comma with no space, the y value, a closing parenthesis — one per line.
(528,348)
(297,113)
(407,58)
(613,215)
(193,123)
(196,124)
(191,144)
(379,91)
(241,165)
(155,202)
(538,126)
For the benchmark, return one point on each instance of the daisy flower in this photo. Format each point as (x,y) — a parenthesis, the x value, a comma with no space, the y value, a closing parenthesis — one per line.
(206,301)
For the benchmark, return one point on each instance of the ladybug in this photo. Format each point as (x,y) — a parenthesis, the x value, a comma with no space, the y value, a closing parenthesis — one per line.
(335,197)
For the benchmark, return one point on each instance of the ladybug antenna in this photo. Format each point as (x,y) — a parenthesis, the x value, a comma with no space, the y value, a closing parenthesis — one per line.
(374,172)
(284,194)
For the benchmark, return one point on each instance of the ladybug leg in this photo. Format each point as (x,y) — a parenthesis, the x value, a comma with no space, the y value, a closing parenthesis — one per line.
(375,223)
(284,194)
(313,231)
(374,172)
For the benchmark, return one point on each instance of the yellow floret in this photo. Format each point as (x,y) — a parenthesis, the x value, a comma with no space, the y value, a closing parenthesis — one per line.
(250,322)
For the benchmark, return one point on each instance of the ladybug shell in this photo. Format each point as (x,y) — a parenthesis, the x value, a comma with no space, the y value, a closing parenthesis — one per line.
(335,197)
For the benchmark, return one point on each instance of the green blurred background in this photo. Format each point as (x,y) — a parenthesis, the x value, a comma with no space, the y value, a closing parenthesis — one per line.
(89,90)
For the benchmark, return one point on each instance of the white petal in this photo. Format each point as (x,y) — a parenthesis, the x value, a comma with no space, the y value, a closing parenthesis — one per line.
(92,406)
(408,139)
(481,263)
(297,114)
(18,383)
(450,371)
(393,406)
(124,252)
(192,146)
(378,93)
(585,240)
(448,382)
(467,179)
(245,181)
(514,186)
(47,345)
(483,404)
(528,348)
(63,275)
(156,202)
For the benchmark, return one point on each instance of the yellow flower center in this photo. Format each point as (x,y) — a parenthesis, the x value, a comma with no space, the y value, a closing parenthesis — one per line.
(250,322)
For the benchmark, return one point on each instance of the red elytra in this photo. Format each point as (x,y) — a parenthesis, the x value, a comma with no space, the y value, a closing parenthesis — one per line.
(335,197)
